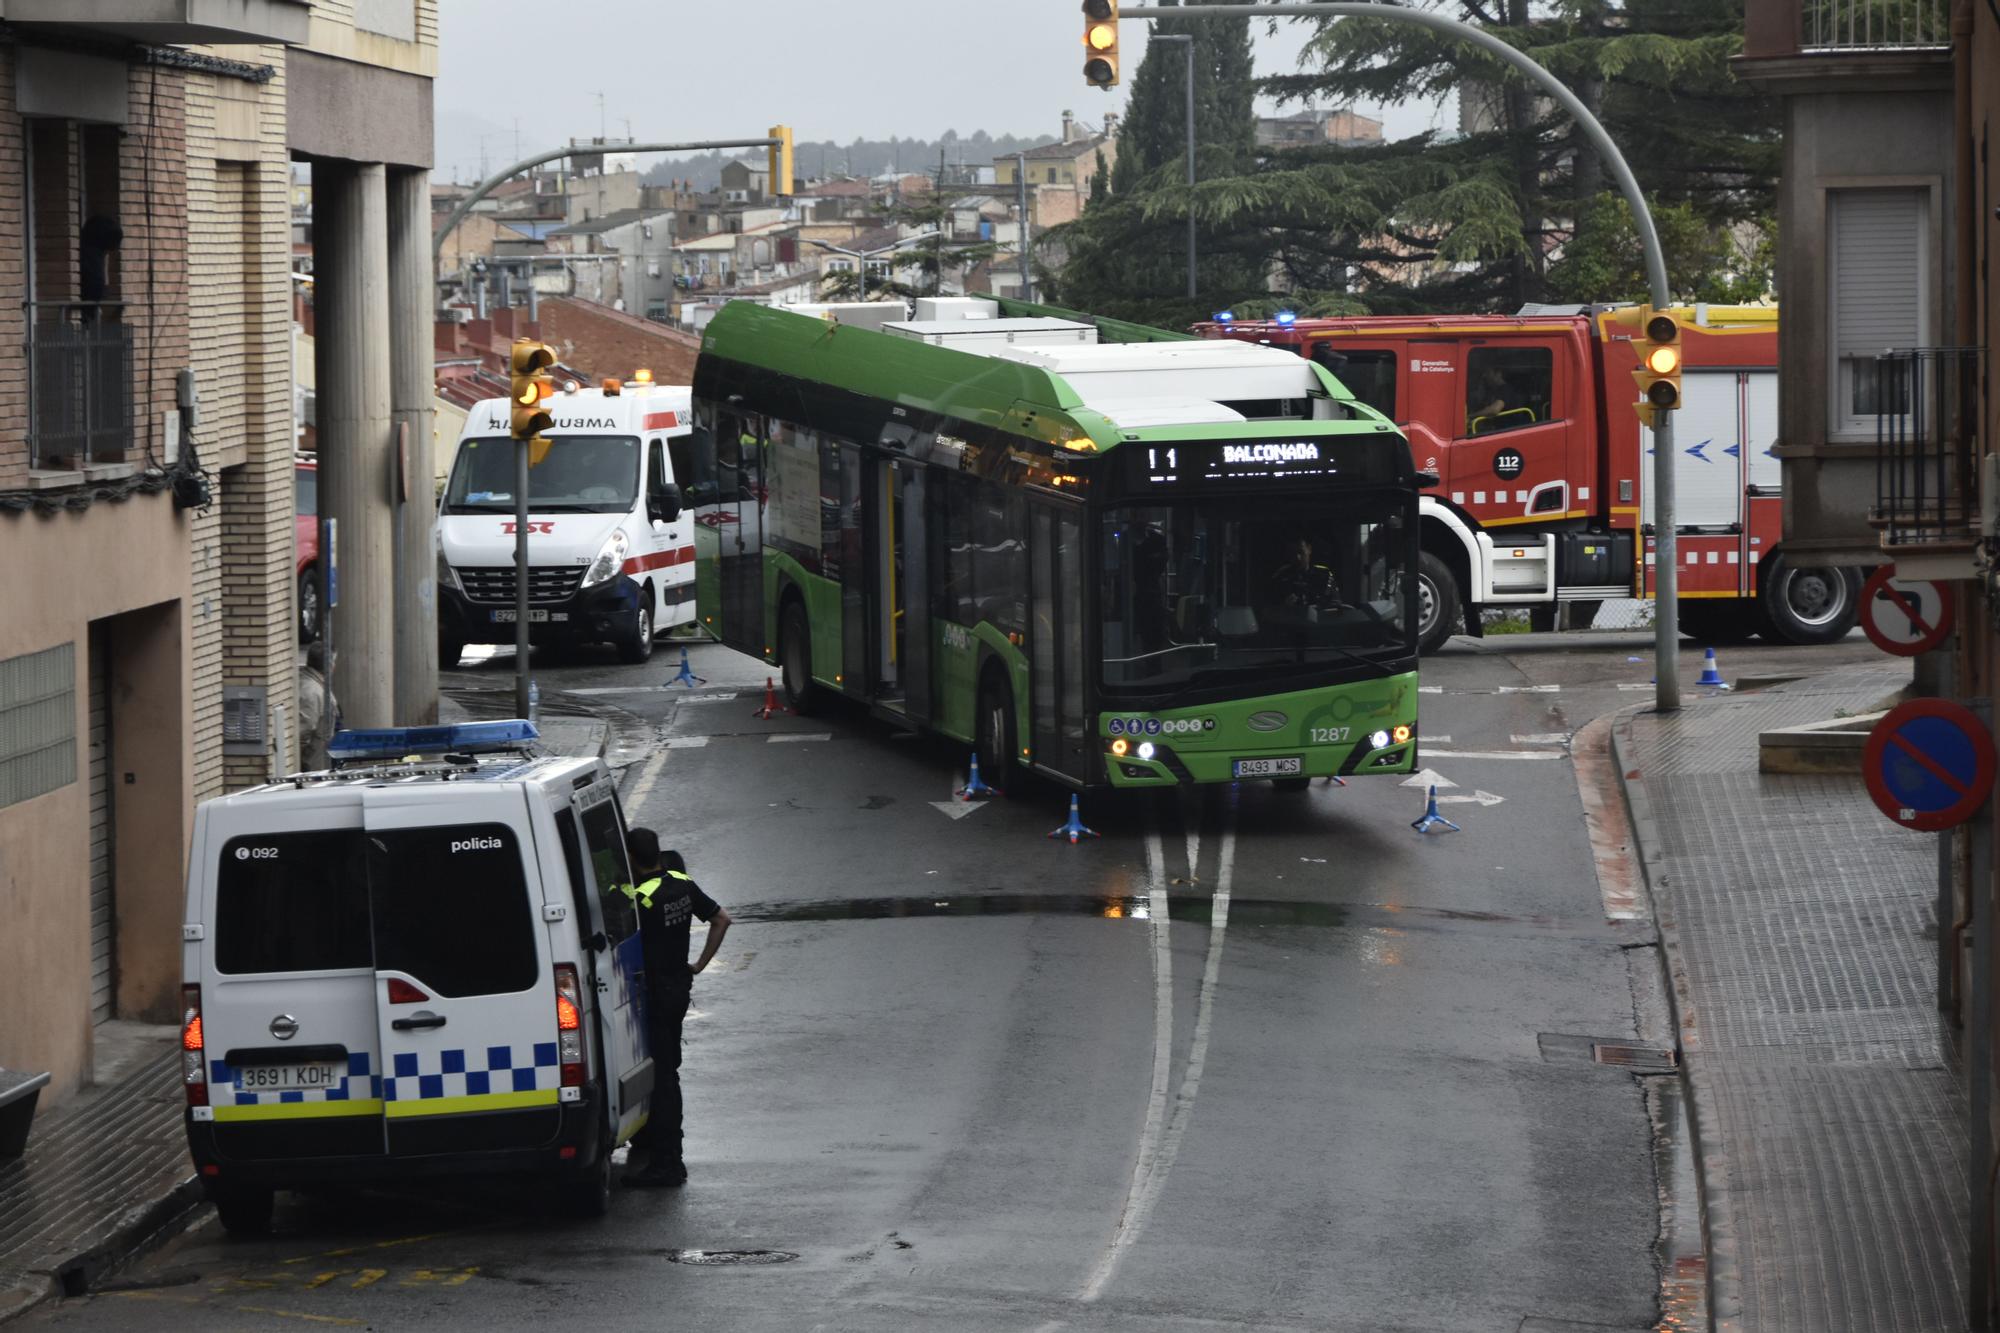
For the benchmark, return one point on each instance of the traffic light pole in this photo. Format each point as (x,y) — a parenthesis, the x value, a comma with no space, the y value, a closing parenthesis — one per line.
(521,577)
(505,174)
(1187,40)
(1666,571)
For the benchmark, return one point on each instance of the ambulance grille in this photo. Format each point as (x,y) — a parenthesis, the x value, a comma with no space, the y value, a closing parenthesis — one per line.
(494,585)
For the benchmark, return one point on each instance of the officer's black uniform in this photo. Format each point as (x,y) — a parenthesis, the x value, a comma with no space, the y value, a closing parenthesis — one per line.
(663,934)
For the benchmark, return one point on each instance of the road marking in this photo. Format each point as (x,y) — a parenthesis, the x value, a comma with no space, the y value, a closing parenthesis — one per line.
(686,696)
(1630,686)
(1436,740)
(1493,754)
(1163,1054)
(1529,689)
(299,1314)
(1477,798)
(1429,777)
(957,807)
(1542,738)
(684,742)
(1430,689)
(648,775)
(783,736)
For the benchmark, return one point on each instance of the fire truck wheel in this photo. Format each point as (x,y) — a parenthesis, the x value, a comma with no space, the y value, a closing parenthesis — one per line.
(1808,604)
(1439,610)
(1731,621)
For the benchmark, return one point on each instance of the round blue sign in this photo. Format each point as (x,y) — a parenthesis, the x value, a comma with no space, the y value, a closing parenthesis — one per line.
(1929,764)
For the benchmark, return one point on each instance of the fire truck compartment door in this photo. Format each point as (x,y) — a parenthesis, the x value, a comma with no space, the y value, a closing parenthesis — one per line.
(1710,435)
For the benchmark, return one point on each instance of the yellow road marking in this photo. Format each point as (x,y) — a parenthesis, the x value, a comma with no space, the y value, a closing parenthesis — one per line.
(300,1314)
(372,1245)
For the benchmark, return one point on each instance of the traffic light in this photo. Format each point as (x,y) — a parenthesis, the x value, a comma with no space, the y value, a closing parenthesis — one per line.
(1659,372)
(780,165)
(1100,43)
(532,387)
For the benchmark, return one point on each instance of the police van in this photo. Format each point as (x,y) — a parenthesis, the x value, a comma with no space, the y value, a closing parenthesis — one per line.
(610,552)
(413,964)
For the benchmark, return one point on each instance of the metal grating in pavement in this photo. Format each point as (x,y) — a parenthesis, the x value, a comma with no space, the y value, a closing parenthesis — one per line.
(105,1152)
(1803,925)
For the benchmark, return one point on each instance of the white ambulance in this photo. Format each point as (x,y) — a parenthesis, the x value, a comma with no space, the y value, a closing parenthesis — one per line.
(610,551)
(414,964)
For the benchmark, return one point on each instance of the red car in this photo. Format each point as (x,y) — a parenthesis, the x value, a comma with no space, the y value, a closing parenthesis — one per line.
(305,545)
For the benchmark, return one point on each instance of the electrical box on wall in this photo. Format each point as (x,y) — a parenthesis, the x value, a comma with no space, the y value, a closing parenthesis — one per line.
(244,727)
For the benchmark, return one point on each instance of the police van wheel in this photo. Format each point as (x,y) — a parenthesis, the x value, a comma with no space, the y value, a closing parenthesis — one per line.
(795,642)
(587,1193)
(449,651)
(639,646)
(244,1210)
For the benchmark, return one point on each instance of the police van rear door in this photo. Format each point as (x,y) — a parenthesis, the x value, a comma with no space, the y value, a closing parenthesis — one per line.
(465,991)
(288,978)
(599,868)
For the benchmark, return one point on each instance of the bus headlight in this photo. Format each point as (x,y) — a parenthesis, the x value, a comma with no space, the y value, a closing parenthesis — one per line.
(610,560)
(1378,740)
(1145,749)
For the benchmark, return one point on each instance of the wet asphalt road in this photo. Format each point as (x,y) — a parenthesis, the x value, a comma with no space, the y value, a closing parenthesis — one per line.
(1250,1060)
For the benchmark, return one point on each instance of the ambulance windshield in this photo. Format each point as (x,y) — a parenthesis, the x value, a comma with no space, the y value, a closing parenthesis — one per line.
(567,474)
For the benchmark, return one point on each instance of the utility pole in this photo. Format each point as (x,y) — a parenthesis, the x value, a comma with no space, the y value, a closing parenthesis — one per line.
(1666,576)
(1187,41)
(1022,231)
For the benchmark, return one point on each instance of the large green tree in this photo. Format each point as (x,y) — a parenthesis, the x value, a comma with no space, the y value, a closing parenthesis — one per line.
(1474,220)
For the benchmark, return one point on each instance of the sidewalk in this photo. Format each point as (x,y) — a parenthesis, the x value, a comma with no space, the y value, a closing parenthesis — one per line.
(105,1171)
(1799,929)
(564,729)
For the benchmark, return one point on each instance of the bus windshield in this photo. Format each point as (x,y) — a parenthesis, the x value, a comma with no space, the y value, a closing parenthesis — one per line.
(1242,585)
(573,474)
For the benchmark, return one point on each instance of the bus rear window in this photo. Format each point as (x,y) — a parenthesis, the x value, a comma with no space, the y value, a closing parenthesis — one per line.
(451,908)
(292,902)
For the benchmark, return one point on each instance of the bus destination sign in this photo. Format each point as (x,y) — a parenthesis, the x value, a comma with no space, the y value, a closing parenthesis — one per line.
(1225,459)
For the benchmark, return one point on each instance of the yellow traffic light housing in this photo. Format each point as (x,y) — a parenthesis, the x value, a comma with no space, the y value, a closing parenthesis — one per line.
(780,160)
(1100,43)
(1659,372)
(532,387)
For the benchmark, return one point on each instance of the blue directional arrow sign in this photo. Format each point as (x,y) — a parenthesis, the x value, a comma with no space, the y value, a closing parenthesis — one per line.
(1696,451)
(1734,451)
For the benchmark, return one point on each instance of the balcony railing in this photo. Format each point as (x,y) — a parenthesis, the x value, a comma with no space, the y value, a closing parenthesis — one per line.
(79,384)
(1848,25)
(1927,447)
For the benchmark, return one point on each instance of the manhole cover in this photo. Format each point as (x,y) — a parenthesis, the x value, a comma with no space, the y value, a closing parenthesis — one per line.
(706,1257)
(1644,1059)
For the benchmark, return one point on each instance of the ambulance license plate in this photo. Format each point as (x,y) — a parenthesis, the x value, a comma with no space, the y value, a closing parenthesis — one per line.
(288,1078)
(1266,768)
(534,617)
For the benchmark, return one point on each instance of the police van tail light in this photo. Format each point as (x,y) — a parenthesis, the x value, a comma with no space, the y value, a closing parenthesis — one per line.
(194,1064)
(569,1026)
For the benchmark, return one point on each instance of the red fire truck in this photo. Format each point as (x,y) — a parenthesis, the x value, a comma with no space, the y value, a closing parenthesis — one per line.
(1545,471)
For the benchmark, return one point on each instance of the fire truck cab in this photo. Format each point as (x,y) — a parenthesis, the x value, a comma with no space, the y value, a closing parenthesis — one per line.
(1544,469)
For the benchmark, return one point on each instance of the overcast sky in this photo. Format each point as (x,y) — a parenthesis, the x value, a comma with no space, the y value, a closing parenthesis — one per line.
(680,70)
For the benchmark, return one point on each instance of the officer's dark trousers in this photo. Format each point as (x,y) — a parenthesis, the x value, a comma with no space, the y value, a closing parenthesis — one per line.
(666,1007)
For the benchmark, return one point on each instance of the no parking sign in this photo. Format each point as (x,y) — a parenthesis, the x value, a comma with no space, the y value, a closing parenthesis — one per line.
(1929,764)
(1905,616)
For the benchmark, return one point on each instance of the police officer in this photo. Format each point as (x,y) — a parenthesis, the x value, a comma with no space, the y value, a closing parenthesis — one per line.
(667,898)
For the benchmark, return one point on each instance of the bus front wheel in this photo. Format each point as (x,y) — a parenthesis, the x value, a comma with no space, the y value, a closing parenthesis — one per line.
(996,733)
(795,642)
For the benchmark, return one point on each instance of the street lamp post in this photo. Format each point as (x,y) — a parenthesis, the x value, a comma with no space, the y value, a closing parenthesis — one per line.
(1187,39)
(861,257)
(1666,576)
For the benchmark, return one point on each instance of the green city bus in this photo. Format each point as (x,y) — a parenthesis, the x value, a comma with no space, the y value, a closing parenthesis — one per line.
(1135,565)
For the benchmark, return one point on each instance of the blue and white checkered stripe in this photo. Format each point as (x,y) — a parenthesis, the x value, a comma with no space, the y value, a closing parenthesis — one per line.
(477,1072)
(360,1082)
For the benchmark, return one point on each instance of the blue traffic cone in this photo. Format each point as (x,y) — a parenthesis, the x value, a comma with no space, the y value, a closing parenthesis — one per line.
(973,786)
(1431,818)
(1074,828)
(1709,674)
(686,675)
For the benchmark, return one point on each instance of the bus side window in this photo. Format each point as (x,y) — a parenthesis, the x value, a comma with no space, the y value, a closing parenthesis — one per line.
(999,541)
(958,593)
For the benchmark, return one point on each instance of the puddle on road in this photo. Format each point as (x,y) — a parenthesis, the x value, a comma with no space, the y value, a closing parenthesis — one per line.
(1191,907)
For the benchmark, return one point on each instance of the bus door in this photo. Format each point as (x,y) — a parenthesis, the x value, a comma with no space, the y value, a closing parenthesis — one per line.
(913,607)
(738,519)
(1055,640)
(890,572)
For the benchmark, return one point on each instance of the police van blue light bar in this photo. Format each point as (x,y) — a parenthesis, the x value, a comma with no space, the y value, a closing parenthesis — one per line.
(459,738)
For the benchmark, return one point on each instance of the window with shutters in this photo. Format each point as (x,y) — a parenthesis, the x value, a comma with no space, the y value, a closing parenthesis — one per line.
(1878,298)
